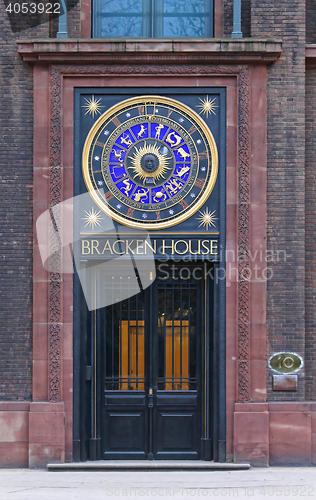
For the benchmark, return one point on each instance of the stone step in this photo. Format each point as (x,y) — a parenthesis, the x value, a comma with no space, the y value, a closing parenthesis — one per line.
(148,465)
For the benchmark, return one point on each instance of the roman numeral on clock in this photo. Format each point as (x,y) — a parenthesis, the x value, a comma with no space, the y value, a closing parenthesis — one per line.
(199,183)
(99,144)
(130,212)
(183,203)
(108,196)
(169,112)
(192,129)
(203,155)
(158,216)
(116,121)
(141,110)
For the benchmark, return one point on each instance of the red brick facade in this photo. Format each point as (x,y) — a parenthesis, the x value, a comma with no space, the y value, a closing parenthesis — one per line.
(16,146)
(285,179)
(310,250)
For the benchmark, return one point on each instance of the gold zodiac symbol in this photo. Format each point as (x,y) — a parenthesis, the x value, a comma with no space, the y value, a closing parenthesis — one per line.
(158,130)
(125,139)
(120,174)
(183,153)
(183,171)
(128,185)
(160,196)
(173,142)
(174,186)
(140,195)
(118,155)
(141,132)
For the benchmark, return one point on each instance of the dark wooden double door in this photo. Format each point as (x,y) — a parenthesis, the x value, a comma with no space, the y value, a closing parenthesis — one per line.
(150,358)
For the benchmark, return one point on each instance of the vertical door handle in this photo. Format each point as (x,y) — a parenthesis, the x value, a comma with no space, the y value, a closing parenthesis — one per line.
(150,398)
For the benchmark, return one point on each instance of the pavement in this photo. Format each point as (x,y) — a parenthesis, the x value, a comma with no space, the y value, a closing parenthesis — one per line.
(257,483)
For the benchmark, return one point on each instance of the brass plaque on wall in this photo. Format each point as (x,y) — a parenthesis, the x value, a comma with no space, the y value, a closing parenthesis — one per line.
(285,362)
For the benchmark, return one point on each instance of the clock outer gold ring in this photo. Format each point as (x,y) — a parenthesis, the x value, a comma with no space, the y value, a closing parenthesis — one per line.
(143,100)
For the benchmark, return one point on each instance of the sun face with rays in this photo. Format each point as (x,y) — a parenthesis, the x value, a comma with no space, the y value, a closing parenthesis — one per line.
(92,218)
(207,106)
(207,218)
(93,106)
(154,157)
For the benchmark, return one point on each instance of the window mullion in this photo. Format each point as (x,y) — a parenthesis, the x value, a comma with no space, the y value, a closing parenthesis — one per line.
(209,18)
(157,18)
(147,18)
(96,17)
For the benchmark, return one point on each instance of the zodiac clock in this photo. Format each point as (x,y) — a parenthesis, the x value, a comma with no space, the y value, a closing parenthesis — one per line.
(150,162)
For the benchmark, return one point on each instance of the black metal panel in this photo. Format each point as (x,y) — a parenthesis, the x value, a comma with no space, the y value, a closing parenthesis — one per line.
(125,433)
(175,399)
(121,399)
(111,97)
(177,433)
(77,321)
(94,408)
(220,325)
(177,427)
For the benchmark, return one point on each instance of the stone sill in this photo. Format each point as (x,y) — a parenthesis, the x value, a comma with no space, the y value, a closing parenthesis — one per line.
(310,55)
(154,51)
(310,50)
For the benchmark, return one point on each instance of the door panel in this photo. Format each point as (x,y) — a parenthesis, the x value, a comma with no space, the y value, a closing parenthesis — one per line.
(132,355)
(177,433)
(177,341)
(152,384)
(125,409)
(126,431)
(124,345)
(176,398)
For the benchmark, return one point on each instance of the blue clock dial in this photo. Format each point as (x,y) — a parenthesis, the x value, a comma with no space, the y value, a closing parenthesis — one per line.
(155,159)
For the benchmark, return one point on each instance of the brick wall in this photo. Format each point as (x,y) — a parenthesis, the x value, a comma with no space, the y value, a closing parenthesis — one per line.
(16,123)
(310,21)
(310,245)
(246,18)
(228,18)
(285,177)
(73,19)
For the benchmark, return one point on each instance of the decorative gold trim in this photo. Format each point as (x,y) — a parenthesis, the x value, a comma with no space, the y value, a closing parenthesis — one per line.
(95,354)
(207,218)
(93,106)
(136,162)
(205,353)
(207,106)
(92,218)
(156,234)
(143,100)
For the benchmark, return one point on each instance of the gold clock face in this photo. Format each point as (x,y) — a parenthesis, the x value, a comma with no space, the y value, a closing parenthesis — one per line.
(150,162)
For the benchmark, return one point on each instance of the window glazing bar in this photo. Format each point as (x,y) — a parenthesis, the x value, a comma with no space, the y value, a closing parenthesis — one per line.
(62,21)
